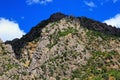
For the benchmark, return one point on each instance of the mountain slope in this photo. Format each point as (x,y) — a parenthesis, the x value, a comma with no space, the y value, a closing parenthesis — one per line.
(67,48)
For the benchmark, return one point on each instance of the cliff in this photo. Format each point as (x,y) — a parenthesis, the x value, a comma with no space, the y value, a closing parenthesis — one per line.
(64,47)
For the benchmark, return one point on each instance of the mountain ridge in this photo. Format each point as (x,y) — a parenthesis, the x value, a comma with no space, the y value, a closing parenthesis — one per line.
(84,21)
(63,48)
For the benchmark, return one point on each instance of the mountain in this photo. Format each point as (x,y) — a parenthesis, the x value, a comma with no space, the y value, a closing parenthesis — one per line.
(63,47)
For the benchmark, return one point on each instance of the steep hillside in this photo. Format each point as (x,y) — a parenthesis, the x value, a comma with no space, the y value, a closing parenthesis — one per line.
(65,48)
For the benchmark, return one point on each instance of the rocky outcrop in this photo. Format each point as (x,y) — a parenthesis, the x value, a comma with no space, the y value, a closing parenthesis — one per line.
(34,34)
(66,47)
(98,26)
(56,17)
(63,48)
(36,31)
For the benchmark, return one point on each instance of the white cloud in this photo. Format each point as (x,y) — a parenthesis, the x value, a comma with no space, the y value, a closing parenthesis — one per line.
(102,2)
(90,4)
(114,21)
(22,17)
(114,1)
(9,30)
(30,2)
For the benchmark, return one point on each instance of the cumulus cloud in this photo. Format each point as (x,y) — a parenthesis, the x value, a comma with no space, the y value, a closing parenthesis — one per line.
(114,21)
(9,30)
(90,4)
(106,1)
(114,1)
(30,2)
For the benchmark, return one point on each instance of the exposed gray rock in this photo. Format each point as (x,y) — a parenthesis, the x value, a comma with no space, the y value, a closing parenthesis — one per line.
(61,48)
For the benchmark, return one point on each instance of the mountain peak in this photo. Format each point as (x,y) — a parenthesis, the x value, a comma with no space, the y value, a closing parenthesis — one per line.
(64,47)
(57,16)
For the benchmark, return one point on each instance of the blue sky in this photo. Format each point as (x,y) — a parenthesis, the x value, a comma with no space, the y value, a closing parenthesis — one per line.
(24,14)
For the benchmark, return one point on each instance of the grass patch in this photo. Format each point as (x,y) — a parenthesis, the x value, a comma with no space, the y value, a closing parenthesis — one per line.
(97,67)
(59,34)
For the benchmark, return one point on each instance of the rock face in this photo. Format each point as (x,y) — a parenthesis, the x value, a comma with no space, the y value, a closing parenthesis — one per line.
(97,26)
(63,48)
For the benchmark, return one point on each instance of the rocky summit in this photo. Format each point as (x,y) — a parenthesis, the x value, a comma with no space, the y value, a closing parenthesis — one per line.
(63,47)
